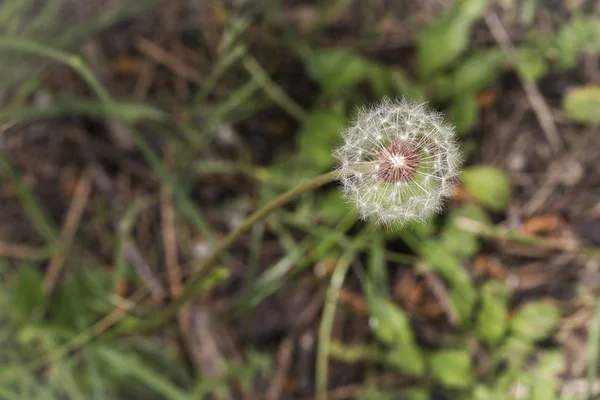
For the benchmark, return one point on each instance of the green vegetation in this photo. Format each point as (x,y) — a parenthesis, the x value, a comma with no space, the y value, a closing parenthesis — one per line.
(80,317)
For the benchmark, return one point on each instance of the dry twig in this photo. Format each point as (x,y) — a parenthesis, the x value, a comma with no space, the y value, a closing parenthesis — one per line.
(78,203)
(540,108)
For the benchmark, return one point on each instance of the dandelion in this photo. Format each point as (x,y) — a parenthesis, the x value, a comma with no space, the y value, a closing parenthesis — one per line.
(398,162)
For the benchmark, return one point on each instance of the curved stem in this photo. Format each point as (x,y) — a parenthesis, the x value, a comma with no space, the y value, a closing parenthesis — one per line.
(73,61)
(205,267)
(337,279)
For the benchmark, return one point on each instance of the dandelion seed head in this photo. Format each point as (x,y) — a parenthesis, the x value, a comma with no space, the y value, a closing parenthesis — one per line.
(398,162)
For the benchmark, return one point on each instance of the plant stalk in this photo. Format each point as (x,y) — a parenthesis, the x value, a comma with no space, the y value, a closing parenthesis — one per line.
(206,266)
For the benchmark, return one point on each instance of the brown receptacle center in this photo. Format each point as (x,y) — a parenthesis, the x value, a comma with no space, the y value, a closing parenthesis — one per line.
(397,162)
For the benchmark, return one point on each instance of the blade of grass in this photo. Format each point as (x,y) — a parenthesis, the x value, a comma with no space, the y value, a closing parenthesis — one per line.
(277,94)
(378,278)
(73,61)
(134,368)
(221,66)
(102,20)
(297,259)
(258,233)
(45,17)
(337,280)
(126,112)
(42,223)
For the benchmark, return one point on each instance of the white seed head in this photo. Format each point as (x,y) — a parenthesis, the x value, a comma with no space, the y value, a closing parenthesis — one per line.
(398,162)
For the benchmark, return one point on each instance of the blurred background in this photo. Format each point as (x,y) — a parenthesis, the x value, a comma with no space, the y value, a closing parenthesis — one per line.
(135,134)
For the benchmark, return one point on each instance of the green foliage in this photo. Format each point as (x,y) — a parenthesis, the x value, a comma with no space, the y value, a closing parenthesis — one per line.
(446,38)
(319,133)
(128,366)
(581,34)
(492,318)
(478,71)
(27,293)
(544,385)
(462,290)
(489,185)
(336,69)
(582,104)
(452,368)
(373,393)
(464,112)
(535,321)
(449,72)
(531,64)
(392,327)
(456,239)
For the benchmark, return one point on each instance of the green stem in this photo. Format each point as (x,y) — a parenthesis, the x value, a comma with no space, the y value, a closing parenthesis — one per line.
(205,267)
(337,279)
(73,61)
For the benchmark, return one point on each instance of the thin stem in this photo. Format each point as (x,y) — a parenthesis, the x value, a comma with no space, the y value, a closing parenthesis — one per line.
(205,267)
(337,279)
(73,61)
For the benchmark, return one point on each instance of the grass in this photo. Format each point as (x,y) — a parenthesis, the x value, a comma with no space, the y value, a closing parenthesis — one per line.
(100,335)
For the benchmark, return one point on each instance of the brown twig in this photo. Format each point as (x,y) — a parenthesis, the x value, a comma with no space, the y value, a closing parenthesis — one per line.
(161,56)
(172,11)
(19,251)
(284,353)
(440,291)
(557,170)
(71,223)
(540,108)
(169,233)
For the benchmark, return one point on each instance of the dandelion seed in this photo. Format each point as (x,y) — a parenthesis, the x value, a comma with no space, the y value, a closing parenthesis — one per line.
(398,162)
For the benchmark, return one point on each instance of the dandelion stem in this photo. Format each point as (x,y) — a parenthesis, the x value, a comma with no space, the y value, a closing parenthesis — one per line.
(195,282)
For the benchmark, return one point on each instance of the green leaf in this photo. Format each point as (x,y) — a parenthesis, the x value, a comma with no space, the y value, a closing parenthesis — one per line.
(404,85)
(73,305)
(489,185)
(413,394)
(478,71)
(452,368)
(442,41)
(514,352)
(375,393)
(545,383)
(392,327)
(528,11)
(578,35)
(582,104)
(481,392)
(535,321)
(27,292)
(531,64)
(464,112)
(320,131)
(407,358)
(457,240)
(336,69)
(462,291)
(389,322)
(380,78)
(126,365)
(492,319)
